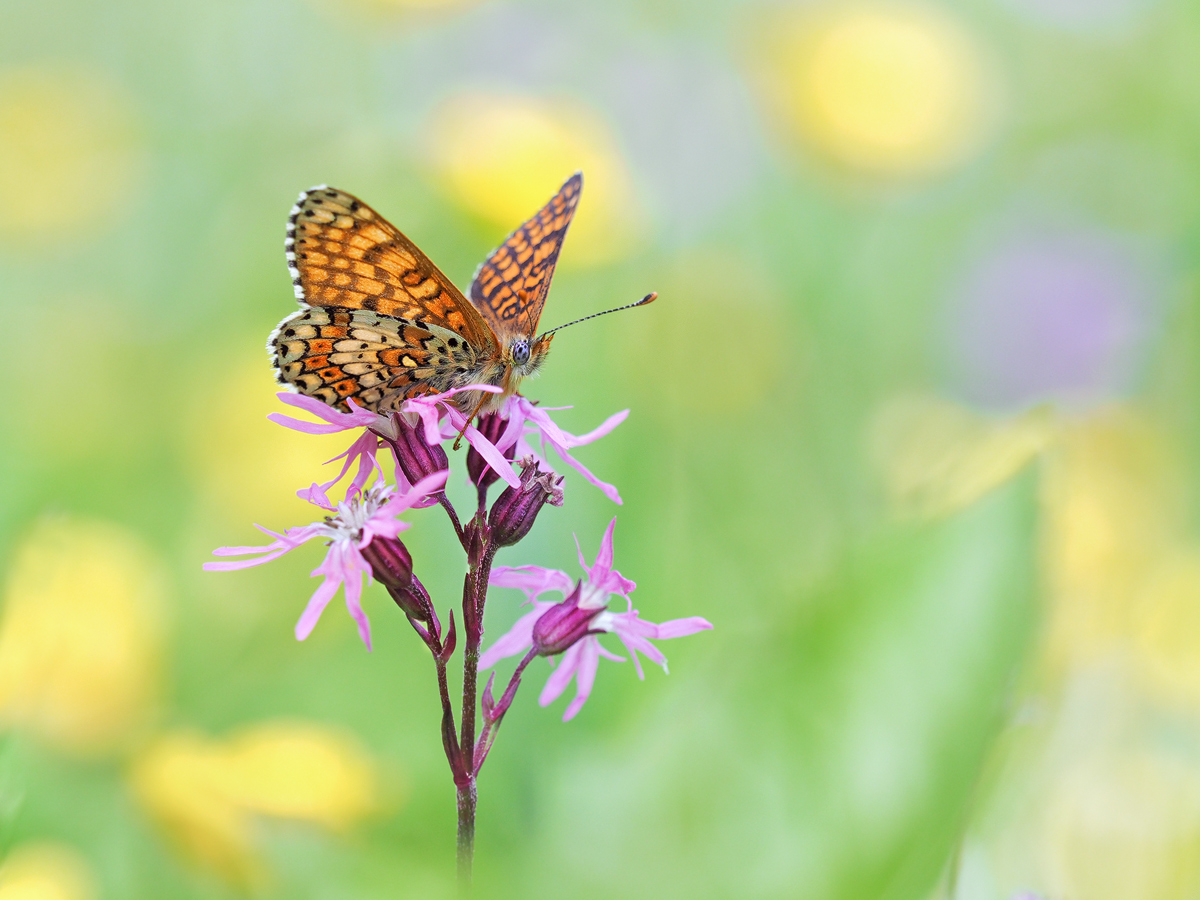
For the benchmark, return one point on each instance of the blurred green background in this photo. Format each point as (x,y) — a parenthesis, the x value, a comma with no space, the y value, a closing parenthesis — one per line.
(914,424)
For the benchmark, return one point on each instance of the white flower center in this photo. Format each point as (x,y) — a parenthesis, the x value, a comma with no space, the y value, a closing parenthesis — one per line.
(592,597)
(353,514)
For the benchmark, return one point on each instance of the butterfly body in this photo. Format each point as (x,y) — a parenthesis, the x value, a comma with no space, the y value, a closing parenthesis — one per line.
(380,323)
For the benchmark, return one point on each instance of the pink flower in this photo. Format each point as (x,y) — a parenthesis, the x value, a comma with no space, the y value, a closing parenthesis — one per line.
(362,451)
(526,420)
(425,411)
(430,408)
(358,520)
(582,658)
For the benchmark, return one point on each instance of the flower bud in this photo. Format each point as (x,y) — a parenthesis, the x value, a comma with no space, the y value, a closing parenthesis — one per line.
(492,426)
(391,566)
(415,458)
(514,511)
(414,602)
(563,624)
(391,563)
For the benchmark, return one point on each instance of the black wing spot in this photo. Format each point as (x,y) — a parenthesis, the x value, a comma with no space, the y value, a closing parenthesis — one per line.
(310,213)
(453,342)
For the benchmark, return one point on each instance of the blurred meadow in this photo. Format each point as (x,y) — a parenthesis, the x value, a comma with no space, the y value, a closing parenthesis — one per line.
(915,423)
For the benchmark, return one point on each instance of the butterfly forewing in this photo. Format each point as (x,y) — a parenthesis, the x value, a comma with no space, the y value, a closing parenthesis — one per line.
(510,287)
(342,253)
(380,323)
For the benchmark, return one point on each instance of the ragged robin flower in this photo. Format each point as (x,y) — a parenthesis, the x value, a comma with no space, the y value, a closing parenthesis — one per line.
(418,416)
(583,614)
(356,523)
(519,421)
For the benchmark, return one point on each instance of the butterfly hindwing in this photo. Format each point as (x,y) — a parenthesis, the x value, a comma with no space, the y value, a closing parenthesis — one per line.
(335,354)
(510,287)
(343,254)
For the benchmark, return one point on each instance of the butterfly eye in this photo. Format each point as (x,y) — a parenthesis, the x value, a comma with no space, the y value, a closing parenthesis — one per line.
(520,352)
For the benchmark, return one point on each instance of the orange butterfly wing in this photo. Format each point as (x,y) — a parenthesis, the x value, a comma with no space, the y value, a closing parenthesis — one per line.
(379,322)
(510,287)
(341,253)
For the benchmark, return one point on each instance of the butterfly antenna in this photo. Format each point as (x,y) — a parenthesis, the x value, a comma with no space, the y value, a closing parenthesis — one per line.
(649,298)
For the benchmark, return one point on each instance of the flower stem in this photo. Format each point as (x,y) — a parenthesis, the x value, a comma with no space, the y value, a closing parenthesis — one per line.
(449,507)
(474,598)
(488,736)
(466,835)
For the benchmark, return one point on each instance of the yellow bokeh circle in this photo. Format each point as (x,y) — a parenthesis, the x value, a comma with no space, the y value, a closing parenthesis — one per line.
(46,870)
(69,154)
(80,635)
(247,468)
(883,89)
(503,156)
(205,793)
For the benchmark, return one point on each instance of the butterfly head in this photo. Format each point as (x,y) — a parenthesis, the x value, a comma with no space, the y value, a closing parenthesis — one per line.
(525,356)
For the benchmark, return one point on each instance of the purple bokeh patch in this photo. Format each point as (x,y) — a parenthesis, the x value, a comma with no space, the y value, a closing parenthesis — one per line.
(1056,317)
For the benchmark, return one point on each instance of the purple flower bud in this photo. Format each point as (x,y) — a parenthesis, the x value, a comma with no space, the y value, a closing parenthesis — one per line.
(415,458)
(391,566)
(515,509)
(491,426)
(475,539)
(563,624)
(391,563)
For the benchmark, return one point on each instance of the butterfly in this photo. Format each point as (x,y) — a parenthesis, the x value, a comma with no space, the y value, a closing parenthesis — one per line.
(380,323)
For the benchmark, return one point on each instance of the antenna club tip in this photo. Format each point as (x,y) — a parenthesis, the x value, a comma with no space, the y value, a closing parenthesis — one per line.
(649,298)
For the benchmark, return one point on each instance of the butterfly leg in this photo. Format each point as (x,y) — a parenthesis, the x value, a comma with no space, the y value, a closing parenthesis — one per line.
(467,423)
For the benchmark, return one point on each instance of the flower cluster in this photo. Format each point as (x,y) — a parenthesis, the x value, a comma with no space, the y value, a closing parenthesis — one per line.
(362,535)
(572,627)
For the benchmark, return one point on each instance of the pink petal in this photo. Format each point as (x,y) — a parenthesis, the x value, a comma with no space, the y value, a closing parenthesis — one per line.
(562,674)
(533,580)
(516,640)
(585,676)
(605,488)
(241,551)
(430,484)
(316,496)
(429,418)
(601,575)
(635,643)
(600,431)
(283,543)
(512,433)
(377,527)
(604,559)
(542,422)
(364,449)
(353,566)
(338,421)
(316,605)
(682,627)
(233,564)
(608,654)
(306,427)
(485,448)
